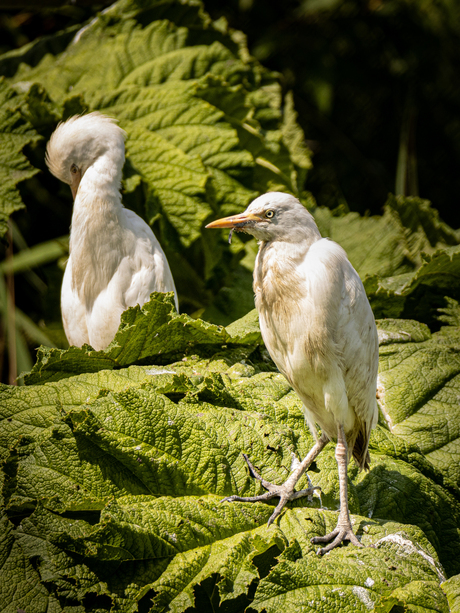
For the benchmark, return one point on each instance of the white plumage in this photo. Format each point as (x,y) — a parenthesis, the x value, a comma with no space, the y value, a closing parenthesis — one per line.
(115,259)
(319,329)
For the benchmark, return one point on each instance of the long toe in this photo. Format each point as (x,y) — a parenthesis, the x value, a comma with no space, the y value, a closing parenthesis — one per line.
(260,498)
(337,536)
(283,500)
(284,492)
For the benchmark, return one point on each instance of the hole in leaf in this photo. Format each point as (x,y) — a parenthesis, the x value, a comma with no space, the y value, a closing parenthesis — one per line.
(144,605)
(265,561)
(97,602)
(90,517)
(175,396)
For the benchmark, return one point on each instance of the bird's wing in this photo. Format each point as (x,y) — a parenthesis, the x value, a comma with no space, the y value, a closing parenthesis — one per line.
(141,269)
(358,344)
(347,319)
(148,265)
(73,311)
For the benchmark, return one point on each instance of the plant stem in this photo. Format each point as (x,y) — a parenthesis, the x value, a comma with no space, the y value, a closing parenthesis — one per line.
(10,317)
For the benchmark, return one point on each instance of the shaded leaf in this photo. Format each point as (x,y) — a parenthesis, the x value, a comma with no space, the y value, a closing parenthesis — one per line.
(15,134)
(20,586)
(417,295)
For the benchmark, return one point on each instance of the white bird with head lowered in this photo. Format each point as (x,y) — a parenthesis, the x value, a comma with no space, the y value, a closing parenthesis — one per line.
(115,259)
(319,329)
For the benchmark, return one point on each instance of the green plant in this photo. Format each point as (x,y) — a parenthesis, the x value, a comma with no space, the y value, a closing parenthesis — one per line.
(113,476)
(114,461)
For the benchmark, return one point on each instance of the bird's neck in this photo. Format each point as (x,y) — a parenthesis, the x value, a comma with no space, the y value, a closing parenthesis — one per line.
(276,271)
(98,206)
(284,254)
(99,238)
(100,185)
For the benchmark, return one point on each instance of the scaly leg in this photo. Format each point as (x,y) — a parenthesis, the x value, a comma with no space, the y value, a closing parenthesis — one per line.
(286,491)
(344,530)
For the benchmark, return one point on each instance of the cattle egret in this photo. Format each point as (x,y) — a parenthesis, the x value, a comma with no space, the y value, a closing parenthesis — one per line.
(115,260)
(319,329)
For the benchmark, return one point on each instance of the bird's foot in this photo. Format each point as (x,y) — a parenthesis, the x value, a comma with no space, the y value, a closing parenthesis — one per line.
(284,492)
(343,532)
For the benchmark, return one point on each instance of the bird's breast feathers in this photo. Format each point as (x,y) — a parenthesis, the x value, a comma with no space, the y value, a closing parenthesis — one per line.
(294,283)
(305,300)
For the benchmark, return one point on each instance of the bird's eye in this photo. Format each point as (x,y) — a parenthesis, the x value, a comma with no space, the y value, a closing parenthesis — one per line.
(74,169)
(269,214)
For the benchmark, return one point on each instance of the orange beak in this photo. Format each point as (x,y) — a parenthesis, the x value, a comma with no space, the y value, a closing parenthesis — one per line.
(234,221)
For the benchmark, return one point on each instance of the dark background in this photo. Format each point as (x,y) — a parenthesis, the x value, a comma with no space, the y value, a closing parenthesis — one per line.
(376,85)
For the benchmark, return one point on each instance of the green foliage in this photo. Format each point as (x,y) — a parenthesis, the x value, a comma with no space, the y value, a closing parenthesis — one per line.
(15,134)
(19,328)
(114,462)
(451,588)
(112,478)
(203,119)
(420,382)
(375,87)
(420,293)
(153,333)
(391,244)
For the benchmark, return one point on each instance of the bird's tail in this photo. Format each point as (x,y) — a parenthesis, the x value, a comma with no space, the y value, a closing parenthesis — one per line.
(360,449)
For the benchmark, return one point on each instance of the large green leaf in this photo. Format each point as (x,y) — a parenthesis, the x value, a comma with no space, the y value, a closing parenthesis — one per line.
(419,387)
(151,334)
(420,293)
(362,580)
(143,549)
(15,134)
(389,245)
(114,480)
(451,588)
(20,586)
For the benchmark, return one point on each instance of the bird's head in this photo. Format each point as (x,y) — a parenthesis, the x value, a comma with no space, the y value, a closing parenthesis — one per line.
(275,216)
(78,142)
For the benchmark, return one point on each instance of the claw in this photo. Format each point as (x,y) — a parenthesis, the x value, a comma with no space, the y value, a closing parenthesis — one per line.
(340,534)
(286,491)
(277,511)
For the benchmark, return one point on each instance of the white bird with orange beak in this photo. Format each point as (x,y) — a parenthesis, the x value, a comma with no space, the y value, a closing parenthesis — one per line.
(115,259)
(319,329)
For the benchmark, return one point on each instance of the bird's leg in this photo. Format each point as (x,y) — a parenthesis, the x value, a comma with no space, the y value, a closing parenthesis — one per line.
(343,530)
(286,491)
